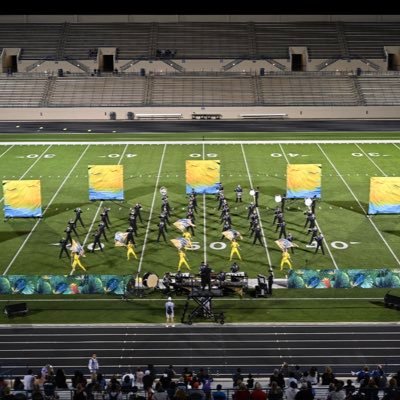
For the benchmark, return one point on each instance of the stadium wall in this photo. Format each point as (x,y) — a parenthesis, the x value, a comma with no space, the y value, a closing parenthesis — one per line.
(193,18)
(103,113)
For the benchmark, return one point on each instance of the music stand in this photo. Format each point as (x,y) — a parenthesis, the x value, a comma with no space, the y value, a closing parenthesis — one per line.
(203,309)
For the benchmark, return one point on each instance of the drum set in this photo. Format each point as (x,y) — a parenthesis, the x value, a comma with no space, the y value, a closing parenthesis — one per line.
(139,286)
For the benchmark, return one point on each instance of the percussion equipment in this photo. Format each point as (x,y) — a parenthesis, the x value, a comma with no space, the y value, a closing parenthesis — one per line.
(150,280)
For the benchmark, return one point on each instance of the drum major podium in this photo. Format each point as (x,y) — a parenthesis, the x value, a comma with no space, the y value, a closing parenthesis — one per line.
(203,306)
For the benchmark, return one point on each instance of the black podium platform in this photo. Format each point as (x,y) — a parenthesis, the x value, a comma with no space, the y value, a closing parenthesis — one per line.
(202,300)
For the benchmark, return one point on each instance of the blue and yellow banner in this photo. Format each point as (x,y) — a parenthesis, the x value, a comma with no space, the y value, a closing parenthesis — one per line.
(303,181)
(203,176)
(384,195)
(106,182)
(22,199)
(343,278)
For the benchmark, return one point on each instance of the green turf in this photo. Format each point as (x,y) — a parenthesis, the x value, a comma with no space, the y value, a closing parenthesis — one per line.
(29,247)
(299,305)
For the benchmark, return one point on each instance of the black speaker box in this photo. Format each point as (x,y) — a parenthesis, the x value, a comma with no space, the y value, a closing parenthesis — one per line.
(15,309)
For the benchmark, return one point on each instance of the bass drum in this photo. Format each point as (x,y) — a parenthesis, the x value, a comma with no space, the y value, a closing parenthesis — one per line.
(150,280)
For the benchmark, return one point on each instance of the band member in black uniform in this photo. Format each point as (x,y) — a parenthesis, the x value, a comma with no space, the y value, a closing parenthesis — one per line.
(78,217)
(96,241)
(102,230)
(320,243)
(106,210)
(161,231)
(136,211)
(103,218)
(258,235)
(71,224)
(64,249)
(68,231)
(129,236)
(251,207)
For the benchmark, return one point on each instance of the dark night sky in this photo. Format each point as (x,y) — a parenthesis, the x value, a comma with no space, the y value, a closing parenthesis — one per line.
(199,7)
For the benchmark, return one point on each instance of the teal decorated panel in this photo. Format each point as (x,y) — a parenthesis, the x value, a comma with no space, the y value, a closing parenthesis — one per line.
(344,279)
(64,284)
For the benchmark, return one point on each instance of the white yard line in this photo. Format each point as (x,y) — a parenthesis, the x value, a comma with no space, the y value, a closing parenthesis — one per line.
(316,223)
(204,217)
(33,164)
(395,145)
(44,212)
(328,141)
(151,209)
(100,205)
(370,159)
(361,206)
(258,212)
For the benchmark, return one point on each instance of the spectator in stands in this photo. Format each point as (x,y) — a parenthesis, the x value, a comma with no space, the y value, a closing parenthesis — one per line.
(18,384)
(284,369)
(196,393)
(392,391)
(29,380)
(180,394)
(337,393)
(78,378)
(362,374)
(80,393)
(160,393)
(291,391)
(250,381)
(147,380)
(60,379)
(241,393)
(39,380)
(170,372)
(305,392)
(370,389)
(187,376)
(278,378)
(258,393)
(139,377)
(313,376)
(237,376)
(37,393)
(378,374)
(275,392)
(165,381)
(327,377)
(219,394)
(114,392)
(349,388)
(49,388)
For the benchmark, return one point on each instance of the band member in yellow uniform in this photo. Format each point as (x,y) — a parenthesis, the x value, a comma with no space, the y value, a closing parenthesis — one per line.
(286,259)
(182,260)
(187,235)
(235,249)
(130,250)
(76,262)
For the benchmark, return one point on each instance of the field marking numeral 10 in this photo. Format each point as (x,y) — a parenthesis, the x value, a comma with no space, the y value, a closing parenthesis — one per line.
(37,155)
(213,245)
(362,154)
(288,154)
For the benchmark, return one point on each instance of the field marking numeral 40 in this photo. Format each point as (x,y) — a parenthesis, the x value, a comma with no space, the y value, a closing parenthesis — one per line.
(213,245)
(198,155)
(37,155)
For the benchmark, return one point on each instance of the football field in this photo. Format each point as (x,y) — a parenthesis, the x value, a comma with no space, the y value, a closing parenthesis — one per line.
(353,239)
